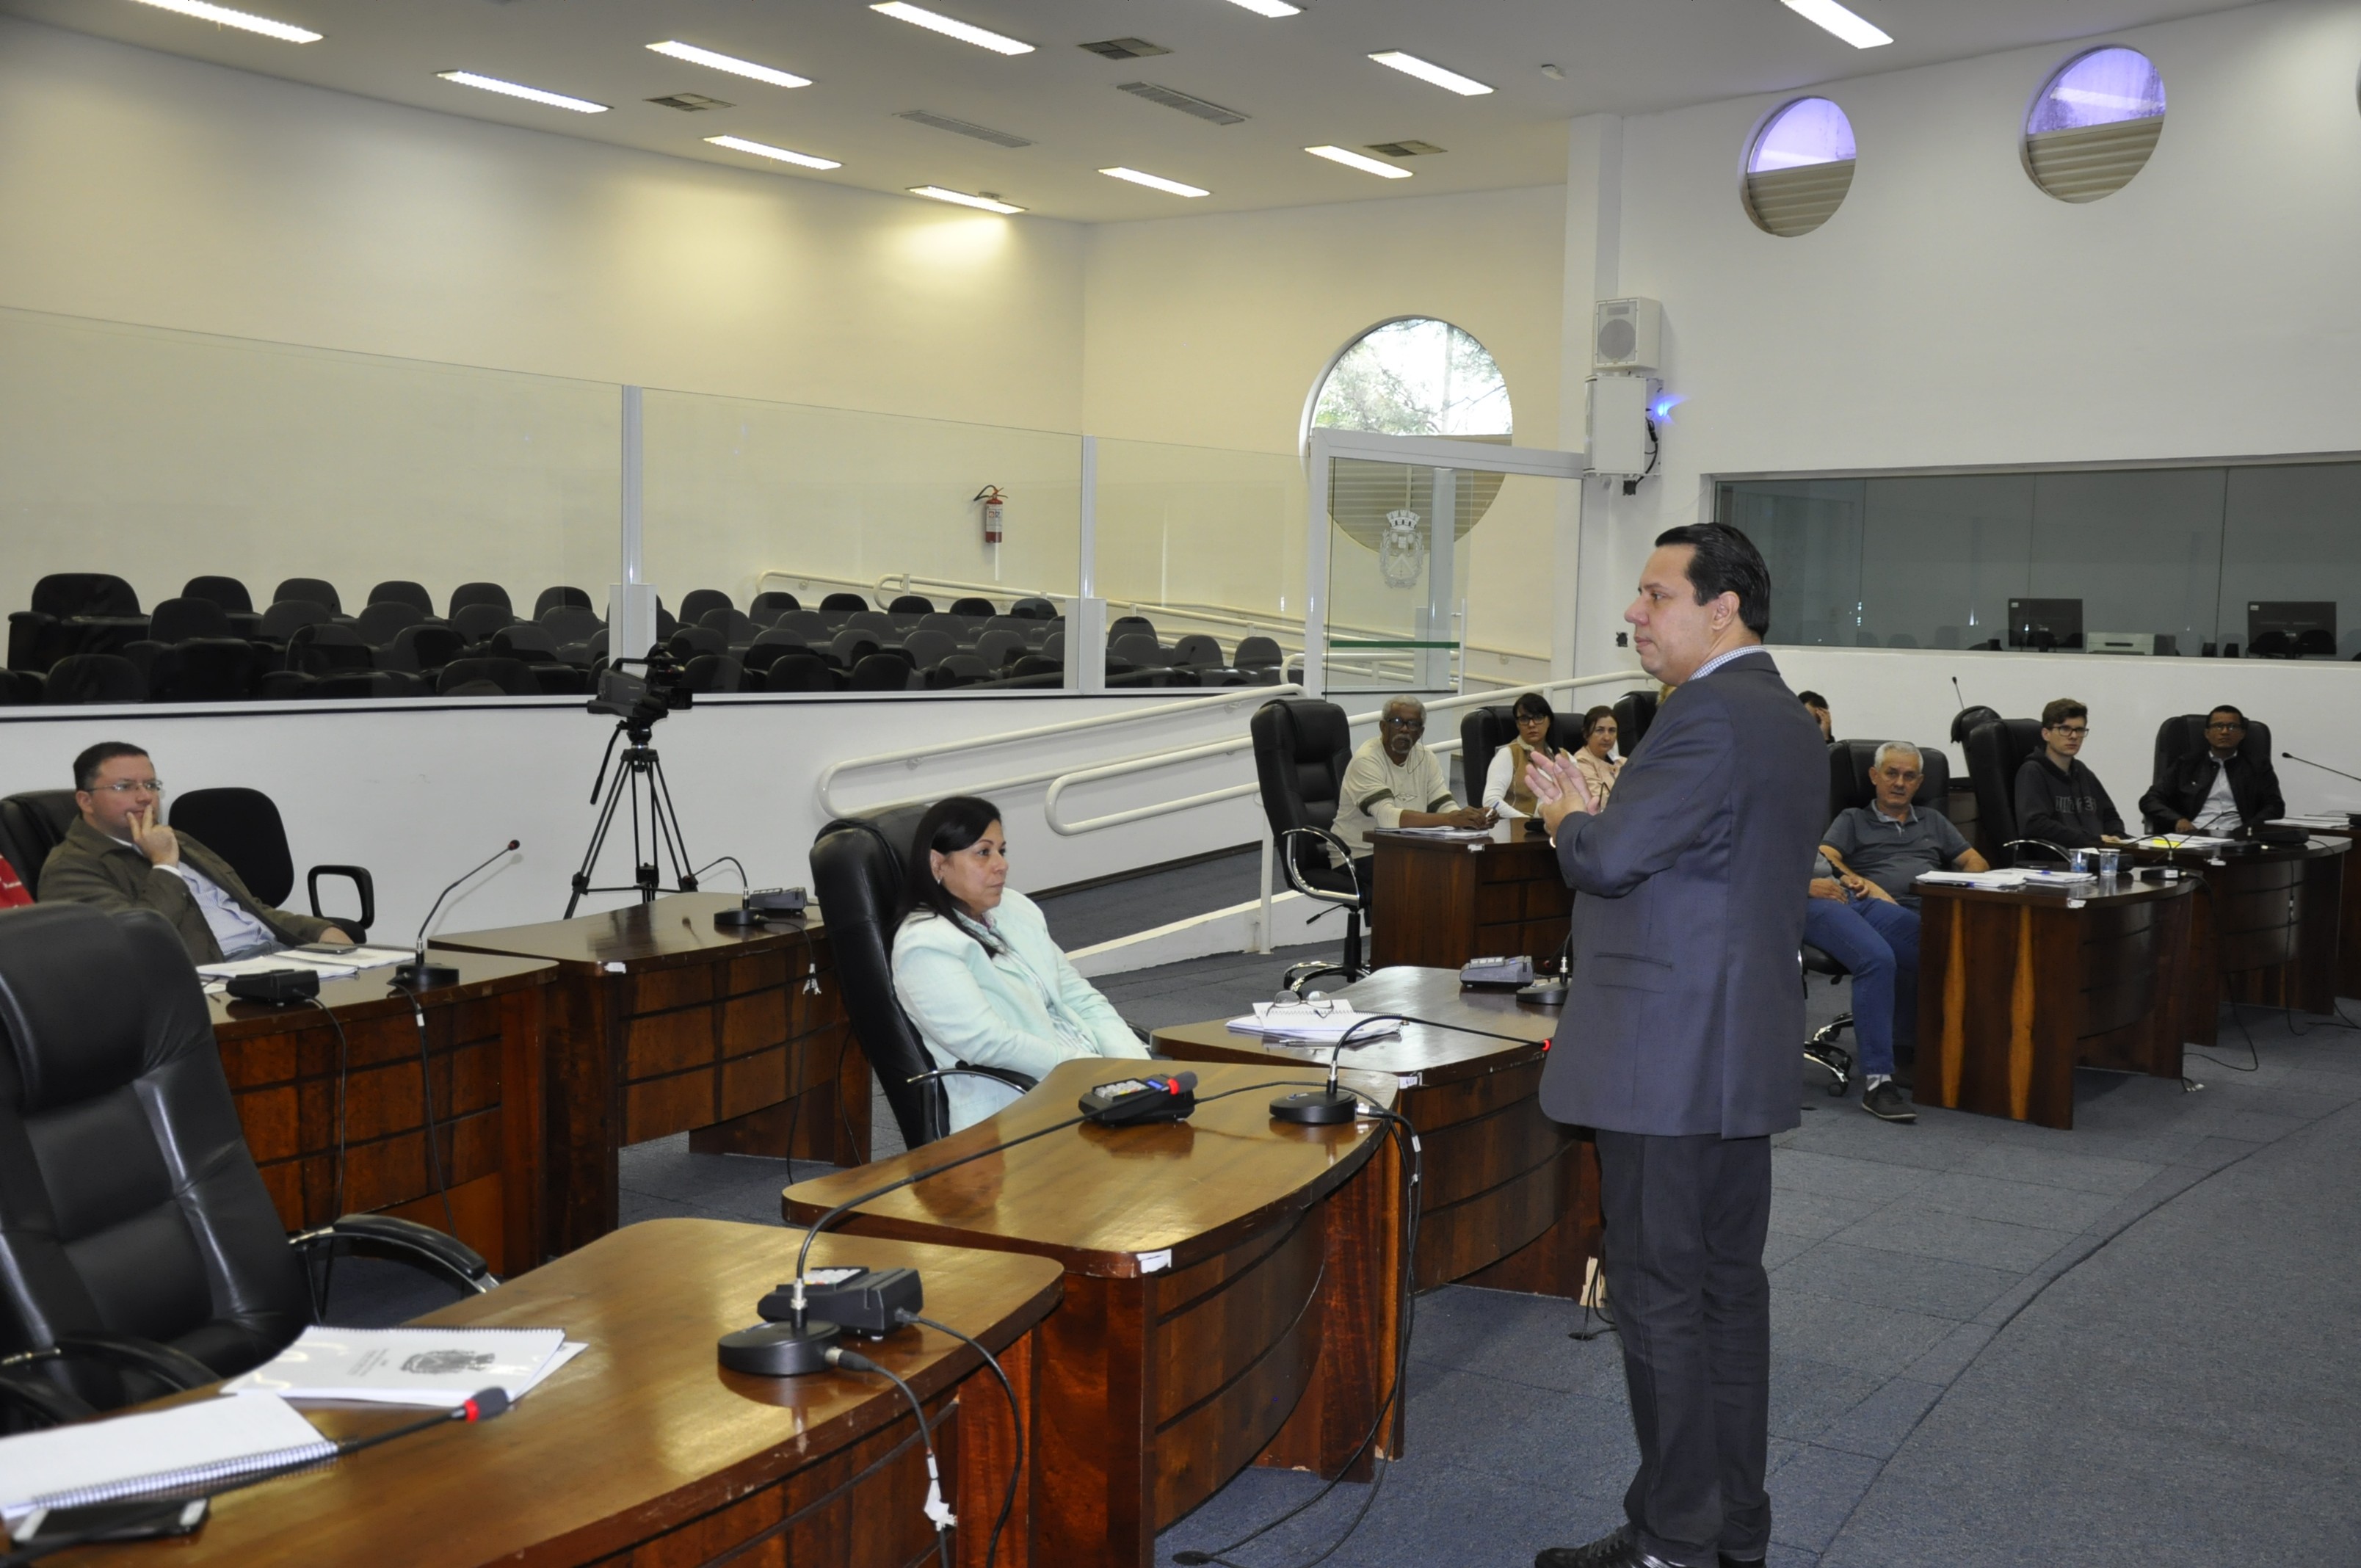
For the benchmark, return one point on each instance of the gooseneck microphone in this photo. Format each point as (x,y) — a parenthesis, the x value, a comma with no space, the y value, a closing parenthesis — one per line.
(2323,767)
(419,975)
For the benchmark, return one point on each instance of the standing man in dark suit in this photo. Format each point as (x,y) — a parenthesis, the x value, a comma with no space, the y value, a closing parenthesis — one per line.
(1680,1048)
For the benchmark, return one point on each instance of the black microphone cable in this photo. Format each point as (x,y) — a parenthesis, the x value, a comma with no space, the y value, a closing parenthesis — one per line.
(427,1088)
(337,1208)
(716,861)
(1015,1422)
(937,1509)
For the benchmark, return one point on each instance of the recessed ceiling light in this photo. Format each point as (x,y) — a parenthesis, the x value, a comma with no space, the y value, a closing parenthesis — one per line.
(963,198)
(762,149)
(952,28)
(1155,182)
(1355,161)
(1843,23)
(513,90)
(1270,7)
(283,31)
(1427,70)
(731,63)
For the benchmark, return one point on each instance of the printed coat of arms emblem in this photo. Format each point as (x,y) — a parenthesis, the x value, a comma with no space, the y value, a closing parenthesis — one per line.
(1401,554)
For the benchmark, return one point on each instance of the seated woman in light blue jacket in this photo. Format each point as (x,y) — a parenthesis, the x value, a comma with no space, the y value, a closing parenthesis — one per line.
(976,969)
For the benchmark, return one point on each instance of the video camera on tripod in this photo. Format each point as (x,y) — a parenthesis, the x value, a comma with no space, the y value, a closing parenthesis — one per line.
(639,701)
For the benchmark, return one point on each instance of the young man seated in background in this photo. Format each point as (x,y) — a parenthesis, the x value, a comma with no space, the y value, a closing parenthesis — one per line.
(2059,799)
(121,855)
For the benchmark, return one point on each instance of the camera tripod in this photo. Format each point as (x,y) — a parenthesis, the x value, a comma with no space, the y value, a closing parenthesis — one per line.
(654,829)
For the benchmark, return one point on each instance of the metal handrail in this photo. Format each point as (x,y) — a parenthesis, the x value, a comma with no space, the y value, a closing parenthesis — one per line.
(1059,783)
(913,755)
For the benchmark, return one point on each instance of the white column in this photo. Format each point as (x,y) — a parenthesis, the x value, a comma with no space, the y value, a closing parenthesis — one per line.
(632,603)
(1582,633)
(1316,568)
(1086,625)
(1433,665)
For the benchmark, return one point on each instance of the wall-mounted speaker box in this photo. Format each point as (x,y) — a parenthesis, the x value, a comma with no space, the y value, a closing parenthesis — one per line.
(1616,444)
(1627,335)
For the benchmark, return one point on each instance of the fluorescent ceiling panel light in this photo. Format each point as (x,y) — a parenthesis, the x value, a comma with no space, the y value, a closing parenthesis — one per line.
(1843,23)
(731,63)
(1351,159)
(1427,70)
(1155,182)
(963,198)
(245,20)
(952,28)
(1270,7)
(512,90)
(763,149)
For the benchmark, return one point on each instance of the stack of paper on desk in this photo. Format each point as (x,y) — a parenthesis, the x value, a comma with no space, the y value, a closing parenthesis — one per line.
(1321,1023)
(409,1366)
(187,1448)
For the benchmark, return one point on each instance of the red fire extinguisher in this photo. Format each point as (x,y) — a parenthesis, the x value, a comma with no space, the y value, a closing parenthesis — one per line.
(993,500)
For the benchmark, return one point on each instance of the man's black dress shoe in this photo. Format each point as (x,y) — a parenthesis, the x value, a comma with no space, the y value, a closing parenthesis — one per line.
(1615,1551)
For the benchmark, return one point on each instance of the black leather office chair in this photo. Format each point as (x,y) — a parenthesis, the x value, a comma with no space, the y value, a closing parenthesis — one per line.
(140,1252)
(857,869)
(1634,711)
(1963,723)
(1302,747)
(1995,751)
(31,825)
(73,612)
(93,677)
(2183,734)
(244,827)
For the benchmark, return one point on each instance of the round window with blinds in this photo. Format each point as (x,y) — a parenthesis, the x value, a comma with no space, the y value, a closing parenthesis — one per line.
(2094,125)
(1799,168)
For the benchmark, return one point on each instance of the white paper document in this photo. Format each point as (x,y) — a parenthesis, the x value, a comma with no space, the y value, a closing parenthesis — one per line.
(2183,841)
(1469,834)
(1323,1022)
(2324,819)
(186,1448)
(409,1366)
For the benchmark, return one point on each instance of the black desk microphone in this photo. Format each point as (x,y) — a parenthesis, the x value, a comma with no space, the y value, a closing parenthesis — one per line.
(2323,767)
(419,975)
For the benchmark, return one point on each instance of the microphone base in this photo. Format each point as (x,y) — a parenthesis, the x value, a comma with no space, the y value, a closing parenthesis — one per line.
(780,1350)
(739,919)
(1315,1107)
(424,976)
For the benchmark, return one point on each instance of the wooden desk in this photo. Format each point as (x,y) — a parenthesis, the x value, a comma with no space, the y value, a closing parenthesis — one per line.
(2348,917)
(2264,931)
(1441,902)
(2015,989)
(644,1451)
(660,1024)
(1232,1290)
(1510,1197)
(484,1045)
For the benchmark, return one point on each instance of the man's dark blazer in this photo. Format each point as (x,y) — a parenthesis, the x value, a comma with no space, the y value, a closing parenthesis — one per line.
(2179,791)
(1687,1009)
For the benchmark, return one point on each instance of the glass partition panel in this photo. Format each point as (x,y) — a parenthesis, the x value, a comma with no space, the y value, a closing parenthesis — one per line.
(746,497)
(163,457)
(1397,569)
(1810,534)
(1940,557)
(2291,537)
(2141,549)
(1200,542)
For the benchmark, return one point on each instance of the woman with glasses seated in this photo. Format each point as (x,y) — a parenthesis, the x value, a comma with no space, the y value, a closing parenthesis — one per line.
(2059,799)
(977,971)
(1506,790)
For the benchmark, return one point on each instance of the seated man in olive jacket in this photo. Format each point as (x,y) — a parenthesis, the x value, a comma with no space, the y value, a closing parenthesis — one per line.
(121,855)
(2217,788)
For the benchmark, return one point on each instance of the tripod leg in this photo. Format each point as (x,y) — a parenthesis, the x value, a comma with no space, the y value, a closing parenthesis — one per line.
(667,823)
(598,841)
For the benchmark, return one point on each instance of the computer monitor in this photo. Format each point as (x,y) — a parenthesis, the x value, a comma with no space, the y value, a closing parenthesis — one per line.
(2292,629)
(2045,623)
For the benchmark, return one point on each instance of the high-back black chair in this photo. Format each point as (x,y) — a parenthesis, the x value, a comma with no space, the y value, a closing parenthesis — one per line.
(467,593)
(2183,734)
(402,591)
(31,825)
(1964,721)
(93,677)
(139,1251)
(1634,711)
(1302,746)
(478,621)
(327,648)
(418,649)
(1034,609)
(857,868)
(244,827)
(382,622)
(73,612)
(1848,780)
(694,603)
(911,604)
(287,617)
(206,669)
(513,678)
(843,602)
(1484,730)
(1138,650)
(313,591)
(796,670)
(227,592)
(551,598)
(1258,653)
(178,619)
(709,672)
(1995,752)
(773,599)
(972,605)
(881,672)
(1197,650)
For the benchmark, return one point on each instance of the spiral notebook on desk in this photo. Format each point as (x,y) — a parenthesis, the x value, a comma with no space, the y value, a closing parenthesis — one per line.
(188,1448)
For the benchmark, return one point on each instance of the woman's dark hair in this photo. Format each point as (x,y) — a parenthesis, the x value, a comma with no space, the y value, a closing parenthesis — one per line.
(1726,563)
(1590,720)
(950,825)
(1532,705)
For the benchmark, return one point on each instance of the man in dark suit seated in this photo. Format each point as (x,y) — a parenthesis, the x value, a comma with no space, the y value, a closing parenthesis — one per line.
(2217,788)
(121,855)
(1679,1045)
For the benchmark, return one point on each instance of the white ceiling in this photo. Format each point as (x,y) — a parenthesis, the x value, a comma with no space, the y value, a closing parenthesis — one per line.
(1303,80)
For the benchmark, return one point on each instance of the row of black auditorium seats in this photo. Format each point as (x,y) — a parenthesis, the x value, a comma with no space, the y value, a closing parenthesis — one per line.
(1027,609)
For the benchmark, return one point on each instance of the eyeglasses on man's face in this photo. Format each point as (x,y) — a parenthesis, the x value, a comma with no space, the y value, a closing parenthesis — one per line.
(129,786)
(1900,775)
(2070,731)
(1413,726)
(2226,726)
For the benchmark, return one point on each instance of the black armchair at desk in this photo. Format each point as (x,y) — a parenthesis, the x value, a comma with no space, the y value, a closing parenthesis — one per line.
(2197,752)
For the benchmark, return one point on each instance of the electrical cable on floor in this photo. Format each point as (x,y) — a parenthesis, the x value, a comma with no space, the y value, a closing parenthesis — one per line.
(1015,1422)
(2253,1054)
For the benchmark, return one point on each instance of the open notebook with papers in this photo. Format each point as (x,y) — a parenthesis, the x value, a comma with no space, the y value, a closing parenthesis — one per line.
(188,1448)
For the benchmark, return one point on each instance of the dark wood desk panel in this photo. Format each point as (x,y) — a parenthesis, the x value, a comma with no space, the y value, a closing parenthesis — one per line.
(1510,1198)
(2015,989)
(659,1023)
(643,1450)
(2348,919)
(1441,902)
(2265,929)
(484,1053)
(1232,1288)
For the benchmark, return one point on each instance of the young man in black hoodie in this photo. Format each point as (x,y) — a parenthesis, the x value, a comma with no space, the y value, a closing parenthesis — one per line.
(2056,797)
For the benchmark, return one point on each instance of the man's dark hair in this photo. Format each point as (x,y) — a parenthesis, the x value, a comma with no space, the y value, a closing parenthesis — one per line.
(86,766)
(2225,707)
(1726,563)
(950,825)
(1813,700)
(2058,712)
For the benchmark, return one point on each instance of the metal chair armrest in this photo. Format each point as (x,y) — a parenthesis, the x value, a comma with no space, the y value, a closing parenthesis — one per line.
(1295,875)
(173,1369)
(404,1240)
(49,1407)
(1013,1079)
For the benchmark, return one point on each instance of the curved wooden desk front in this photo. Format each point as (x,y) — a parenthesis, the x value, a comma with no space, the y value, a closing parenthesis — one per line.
(2264,931)
(1509,1199)
(2015,989)
(643,1450)
(1232,1288)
